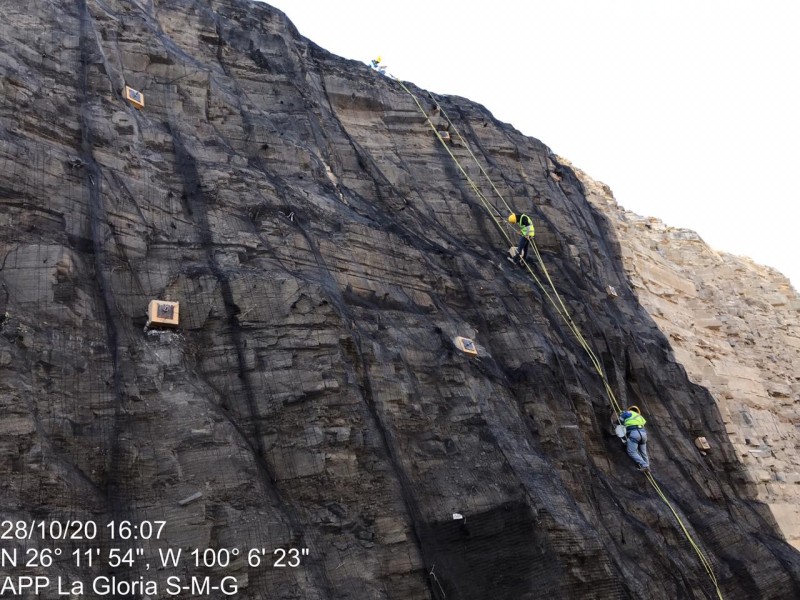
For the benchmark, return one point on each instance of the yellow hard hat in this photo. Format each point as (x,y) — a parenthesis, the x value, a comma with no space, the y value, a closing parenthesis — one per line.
(634,408)
(512,218)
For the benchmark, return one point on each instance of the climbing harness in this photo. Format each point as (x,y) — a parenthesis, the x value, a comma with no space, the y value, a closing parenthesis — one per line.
(554,299)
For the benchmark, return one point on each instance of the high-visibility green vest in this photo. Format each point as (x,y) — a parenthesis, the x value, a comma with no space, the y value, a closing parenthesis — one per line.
(635,420)
(526,230)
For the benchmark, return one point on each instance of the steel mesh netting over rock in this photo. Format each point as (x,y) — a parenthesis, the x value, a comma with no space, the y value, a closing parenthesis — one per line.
(325,252)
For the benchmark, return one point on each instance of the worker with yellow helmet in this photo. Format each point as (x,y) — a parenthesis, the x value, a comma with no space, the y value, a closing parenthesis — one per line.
(375,63)
(526,230)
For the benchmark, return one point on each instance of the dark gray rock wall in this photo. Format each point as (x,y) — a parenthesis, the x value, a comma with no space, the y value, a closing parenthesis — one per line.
(325,250)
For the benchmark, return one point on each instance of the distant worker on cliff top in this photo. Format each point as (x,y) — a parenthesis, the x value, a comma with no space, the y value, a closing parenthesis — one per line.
(526,232)
(376,64)
(637,436)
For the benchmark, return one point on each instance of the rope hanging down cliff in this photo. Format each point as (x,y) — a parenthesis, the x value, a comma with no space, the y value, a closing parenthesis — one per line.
(555,300)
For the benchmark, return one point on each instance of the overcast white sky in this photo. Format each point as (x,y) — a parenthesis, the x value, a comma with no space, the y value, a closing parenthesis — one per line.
(688,110)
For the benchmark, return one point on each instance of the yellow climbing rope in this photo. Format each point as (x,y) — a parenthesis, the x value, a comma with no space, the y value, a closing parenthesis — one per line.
(700,554)
(557,303)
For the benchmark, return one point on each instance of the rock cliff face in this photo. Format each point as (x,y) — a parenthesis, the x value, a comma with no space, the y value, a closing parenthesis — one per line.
(325,251)
(735,326)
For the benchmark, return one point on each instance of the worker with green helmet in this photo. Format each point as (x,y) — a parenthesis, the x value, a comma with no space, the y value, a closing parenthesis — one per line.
(526,231)
(634,422)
